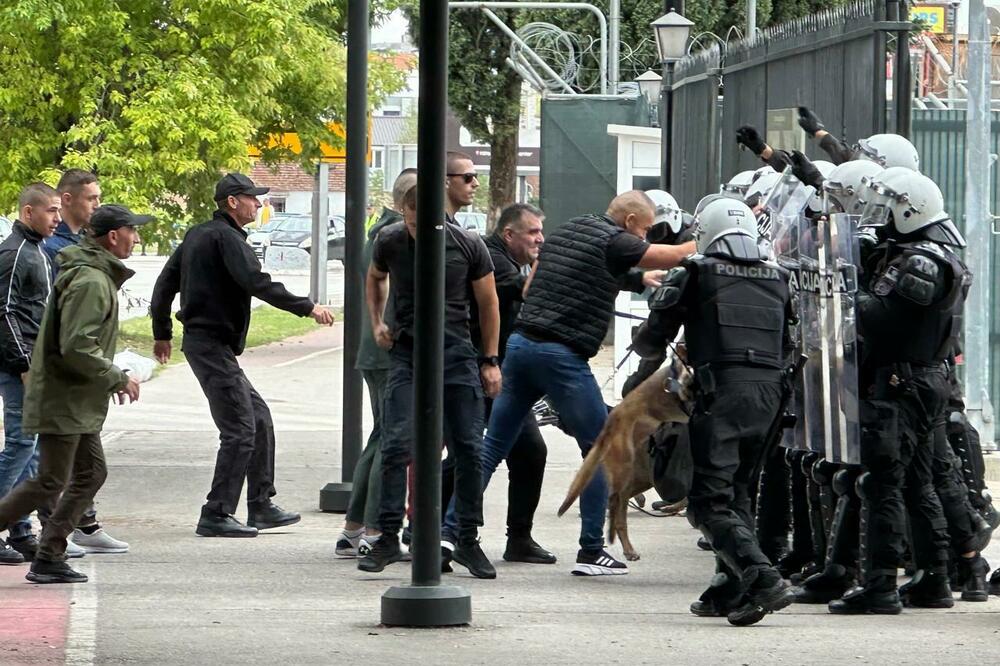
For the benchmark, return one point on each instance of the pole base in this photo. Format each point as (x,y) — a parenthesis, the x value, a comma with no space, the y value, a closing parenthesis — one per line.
(426,606)
(334,497)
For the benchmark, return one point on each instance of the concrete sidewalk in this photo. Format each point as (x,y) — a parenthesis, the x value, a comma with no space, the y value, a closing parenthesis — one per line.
(284,598)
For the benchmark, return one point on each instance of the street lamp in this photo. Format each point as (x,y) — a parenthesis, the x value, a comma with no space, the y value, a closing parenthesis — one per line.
(649,87)
(671,32)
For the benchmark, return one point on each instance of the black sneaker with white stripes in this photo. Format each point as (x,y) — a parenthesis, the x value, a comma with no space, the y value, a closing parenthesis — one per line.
(598,563)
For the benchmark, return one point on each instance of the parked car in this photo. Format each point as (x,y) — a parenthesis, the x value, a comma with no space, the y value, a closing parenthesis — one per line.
(301,237)
(261,238)
(6,226)
(473,221)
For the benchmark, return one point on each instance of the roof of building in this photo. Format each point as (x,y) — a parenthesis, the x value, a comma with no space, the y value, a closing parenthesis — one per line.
(386,130)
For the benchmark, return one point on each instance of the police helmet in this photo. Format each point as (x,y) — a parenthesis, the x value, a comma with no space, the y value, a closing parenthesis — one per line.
(761,189)
(845,189)
(718,217)
(738,184)
(825,169)
(889,150)
(667,209)
(908,200)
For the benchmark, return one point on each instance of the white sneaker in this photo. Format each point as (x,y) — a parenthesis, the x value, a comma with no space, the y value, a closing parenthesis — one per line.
(73,550)
(98,542)
(347,545)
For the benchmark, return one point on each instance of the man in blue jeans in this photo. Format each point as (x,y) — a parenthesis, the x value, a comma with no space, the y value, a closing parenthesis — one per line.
(568,308)
(25,284)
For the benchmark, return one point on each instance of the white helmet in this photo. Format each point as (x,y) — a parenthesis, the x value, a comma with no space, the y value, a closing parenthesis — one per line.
(763,171)
(910,200)
(667,209)
(846,189)
(825,169)
(761,188)
(739,183)
(717,218)
(889,150)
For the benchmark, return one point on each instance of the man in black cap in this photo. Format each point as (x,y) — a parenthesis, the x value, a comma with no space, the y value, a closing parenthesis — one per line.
(71,377)
(216,274)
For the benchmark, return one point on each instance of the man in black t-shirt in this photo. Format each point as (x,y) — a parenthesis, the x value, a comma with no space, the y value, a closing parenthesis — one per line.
(466,376)
(569,304)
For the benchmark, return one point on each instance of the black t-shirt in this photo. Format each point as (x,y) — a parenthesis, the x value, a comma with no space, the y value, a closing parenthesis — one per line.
(624,252)
(466,260)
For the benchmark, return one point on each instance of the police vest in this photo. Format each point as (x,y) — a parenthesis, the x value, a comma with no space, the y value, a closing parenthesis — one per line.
(572,296)
(926,335)
(737,313)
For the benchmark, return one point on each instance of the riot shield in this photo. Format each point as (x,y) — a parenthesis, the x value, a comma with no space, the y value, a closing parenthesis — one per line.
(827,284)
(785,207)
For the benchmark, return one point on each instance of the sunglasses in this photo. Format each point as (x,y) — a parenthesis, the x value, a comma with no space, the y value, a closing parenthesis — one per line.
(466,177)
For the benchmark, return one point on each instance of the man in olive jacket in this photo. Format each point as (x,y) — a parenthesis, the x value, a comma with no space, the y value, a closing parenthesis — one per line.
(71,379)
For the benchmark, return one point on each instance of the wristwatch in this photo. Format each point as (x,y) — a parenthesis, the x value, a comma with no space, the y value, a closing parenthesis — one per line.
(489,360)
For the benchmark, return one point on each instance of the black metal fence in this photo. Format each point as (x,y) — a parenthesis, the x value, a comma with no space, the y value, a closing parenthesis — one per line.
(833,61)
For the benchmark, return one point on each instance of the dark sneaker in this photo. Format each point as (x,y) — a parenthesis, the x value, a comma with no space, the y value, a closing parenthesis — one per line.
(598,563)
(270,515)
(704,544)
(384,552)
(472,557)
(822,588)
(26,545)
(972,572)
(768,593)
(525,549)
(53,572)
(791,564)
(447,548)
(927,590)
(407,536)
(707,608)
(861,601)
(219,525)
(8,555)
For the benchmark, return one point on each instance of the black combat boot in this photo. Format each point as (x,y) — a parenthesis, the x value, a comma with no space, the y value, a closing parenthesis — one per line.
(810,569)
(972,573)
(704,544)
(822,588)
(928,590)
(879,597)
(792,563)
(768,593)
(723,595)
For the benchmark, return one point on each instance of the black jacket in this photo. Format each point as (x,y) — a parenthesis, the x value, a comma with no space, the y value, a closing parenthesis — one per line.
(510,292)
(216,274)
(25,285)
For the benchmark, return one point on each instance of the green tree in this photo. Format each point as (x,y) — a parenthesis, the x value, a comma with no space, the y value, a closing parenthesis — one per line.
(158,98)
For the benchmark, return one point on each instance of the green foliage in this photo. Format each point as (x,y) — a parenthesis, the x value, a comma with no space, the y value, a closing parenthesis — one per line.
(376,189)
(158,98)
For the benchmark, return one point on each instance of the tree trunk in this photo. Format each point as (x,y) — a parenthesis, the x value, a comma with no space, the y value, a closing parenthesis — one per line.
(503,171)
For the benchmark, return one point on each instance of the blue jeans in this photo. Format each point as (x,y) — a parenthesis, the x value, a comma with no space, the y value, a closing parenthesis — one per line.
(18,460)
(531,370)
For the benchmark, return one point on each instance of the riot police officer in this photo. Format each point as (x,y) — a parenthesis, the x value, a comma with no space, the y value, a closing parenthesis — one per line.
(735,309)
(910,302)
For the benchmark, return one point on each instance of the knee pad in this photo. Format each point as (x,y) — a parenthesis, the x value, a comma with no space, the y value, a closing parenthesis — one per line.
(866,486)
(843,482)
(823,471)
(792,457)
(808,460)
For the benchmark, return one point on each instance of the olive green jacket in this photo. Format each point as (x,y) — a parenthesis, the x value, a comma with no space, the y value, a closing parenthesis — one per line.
(72,377)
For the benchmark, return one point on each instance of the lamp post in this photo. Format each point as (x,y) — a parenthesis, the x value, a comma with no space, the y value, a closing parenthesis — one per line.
(671,31)
(649,87)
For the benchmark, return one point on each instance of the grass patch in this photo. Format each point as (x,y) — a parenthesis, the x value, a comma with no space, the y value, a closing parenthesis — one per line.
(267,325)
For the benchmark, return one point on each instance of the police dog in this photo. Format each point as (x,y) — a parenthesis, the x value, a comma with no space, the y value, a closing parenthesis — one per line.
(623,446)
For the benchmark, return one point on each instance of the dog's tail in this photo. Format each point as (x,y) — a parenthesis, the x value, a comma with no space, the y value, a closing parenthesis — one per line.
(590,464)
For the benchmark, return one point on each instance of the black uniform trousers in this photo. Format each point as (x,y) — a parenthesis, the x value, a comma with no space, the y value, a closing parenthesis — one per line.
(897,450)
(963,520)
(526,471)
(728,446)
(246,432)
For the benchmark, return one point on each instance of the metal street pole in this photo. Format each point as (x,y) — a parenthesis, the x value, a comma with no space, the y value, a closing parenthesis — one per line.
(336,496)
(978,227)
(320,223)
(666,123)
(425,602)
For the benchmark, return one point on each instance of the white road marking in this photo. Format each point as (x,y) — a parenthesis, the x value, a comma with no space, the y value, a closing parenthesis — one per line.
(307,357)
(81,638)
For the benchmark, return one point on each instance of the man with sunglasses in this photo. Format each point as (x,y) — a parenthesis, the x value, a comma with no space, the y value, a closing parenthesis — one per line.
(460,185)
(216,274)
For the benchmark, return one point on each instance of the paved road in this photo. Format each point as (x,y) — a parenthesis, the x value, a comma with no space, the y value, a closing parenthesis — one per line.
(138,290)
(284,598)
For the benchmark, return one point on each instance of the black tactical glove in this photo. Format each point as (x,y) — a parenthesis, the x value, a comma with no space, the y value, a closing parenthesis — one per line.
(749,137)
(867,243)
(806,171)
(809,121)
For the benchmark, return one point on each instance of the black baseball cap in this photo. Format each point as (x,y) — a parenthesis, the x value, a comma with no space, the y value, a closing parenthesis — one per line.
(114,216)
(236,183)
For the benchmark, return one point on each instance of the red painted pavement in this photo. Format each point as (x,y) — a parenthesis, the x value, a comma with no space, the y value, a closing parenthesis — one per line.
(34,619)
